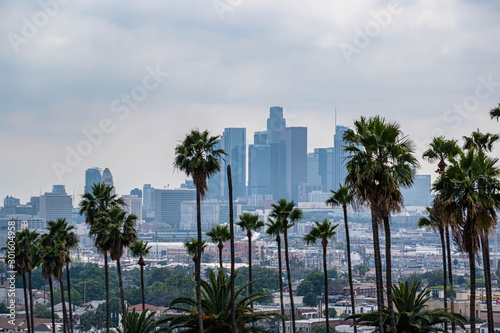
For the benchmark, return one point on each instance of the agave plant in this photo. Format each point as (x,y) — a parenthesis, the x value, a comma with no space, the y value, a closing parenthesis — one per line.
(411,313)
(216,305)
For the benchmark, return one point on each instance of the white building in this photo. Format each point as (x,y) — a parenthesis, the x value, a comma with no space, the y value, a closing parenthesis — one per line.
(134,205)
(56,204)
(210,215)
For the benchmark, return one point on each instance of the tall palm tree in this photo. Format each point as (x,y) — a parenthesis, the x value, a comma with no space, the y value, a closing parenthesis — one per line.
(441,150)
(483,142)
(323,231)
(275,229)
(192,248)
(471,186)
(287,213)
(231,235)
(495,112)
(63,234)
(198,157)
(141,250)
(250,222)
(380,161)
(116,231)
(343,197)
(219,235)
(94,206)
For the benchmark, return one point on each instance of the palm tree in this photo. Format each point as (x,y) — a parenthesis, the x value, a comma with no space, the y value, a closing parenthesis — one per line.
(219,234)
(275,229)
(323,231)
(470,185)
(380,160)
(116,231)
(343,197)
(19,265)
(231,235)
(198,157)
(436,223)
(145,322)
(495,113)
(64,234)
(216,295)
(192,248)
(286,212)
(141,250)
(441,150)
(250,222)
(412,315)
(94,206)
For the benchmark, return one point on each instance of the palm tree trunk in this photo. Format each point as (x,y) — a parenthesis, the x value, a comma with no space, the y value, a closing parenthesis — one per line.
(65,317)
(122,296)
(106,278)
(487,279)
(378,272)
(349,265)
(249,235)
(280,269)
(450,276)
(31,303)
(142,288)
(198,261)
(220,255)
(69,299)
(231,231)
(326,289)
(443,251)
(472,300)
(388,271)
(287,261)
(52,305)
(26,303)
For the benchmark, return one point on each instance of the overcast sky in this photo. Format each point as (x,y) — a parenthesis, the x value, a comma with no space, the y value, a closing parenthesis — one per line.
(68,69)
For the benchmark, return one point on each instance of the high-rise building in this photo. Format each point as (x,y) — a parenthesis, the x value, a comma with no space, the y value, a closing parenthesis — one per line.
(168,204)
(56,205)
(259,169)
(148,202)
(92,176)
(295,142)
(215,184)
(133,205)
(136,191)
(60,189)
(9,205)
(339,170)
(210,215)
(234,144)
(107,179)
(420,193)
(275,124)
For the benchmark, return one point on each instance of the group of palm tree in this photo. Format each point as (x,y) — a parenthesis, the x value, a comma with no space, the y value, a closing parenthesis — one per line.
(51,251)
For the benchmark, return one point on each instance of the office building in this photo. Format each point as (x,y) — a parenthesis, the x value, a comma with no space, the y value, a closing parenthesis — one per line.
(107,179)
(136,191)
(420,193)
(210,215)
(133,205)
(9,205)
(275,124)
(168,204)
(148,202)
(234,144)
(295,142)
(92,176)
(56,205)
(339,170)
(259,169)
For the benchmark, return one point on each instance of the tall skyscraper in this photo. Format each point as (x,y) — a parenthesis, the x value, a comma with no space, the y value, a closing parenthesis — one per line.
(339,170)
(259,169)
(275,124)
(168,204)
(215,184)
(148,202)
(136,191)
(133,205)
(234,143)
(295,142)
(92,176)
(54,205)
(107,179)
(420,193)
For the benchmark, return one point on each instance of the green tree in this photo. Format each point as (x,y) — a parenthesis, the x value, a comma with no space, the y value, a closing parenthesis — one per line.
(411,313)
(286,212)
(380,160)
(219,234)
(310,299)
(332,313)
(361,269)
(249,223)
(324,231)
(116,231)
(198,157)
(95,205)
(141,250)
(495,112)
(275,229)
(322,328)
(3,308)
(42,311)
(217,308)
(343,197)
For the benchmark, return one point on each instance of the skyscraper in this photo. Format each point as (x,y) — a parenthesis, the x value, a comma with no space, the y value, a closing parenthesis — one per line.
(234,143)
(107,179)
(339,170)
(275,123)
(148,202)
(92,176)
(133,205)
(420,193)
(295,143)
(136,191)
(54,205)
(168,204)
(259,169)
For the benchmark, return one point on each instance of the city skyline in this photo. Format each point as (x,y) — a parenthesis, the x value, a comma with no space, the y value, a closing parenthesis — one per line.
(423,69)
